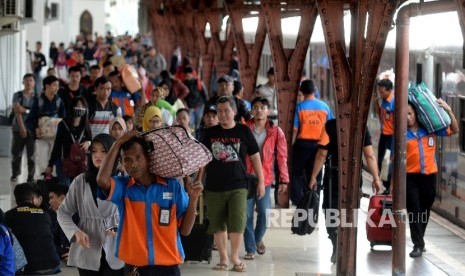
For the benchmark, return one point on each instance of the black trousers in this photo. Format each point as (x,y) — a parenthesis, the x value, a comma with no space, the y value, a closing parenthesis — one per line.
(303,158)
(421,191)
(154,270)
(17,148)
(330,200)
(385,142)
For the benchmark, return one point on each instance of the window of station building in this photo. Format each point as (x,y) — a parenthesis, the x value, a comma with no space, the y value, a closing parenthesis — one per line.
(462,124)
(54,11)
(28,9)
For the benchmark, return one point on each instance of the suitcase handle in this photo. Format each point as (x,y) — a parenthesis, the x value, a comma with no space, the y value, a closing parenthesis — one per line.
(387,204)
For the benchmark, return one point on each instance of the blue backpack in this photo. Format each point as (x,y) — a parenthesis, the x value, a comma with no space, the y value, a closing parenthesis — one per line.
(20,257)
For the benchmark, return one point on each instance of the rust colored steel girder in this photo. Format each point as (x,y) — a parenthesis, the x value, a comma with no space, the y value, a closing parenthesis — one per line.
(288,63)
(162,25)
(223,50)
(249,54)
(354,73)
(183,23)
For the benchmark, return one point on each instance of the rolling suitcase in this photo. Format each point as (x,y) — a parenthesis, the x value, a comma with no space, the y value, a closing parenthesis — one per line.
(379,224)
(198,245)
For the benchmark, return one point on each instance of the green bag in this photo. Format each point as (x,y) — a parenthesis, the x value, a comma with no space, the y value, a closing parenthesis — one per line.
(430,114)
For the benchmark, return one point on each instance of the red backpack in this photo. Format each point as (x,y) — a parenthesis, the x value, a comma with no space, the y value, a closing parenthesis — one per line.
(76,161)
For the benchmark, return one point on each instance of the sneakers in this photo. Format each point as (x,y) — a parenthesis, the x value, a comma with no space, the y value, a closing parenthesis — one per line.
(416,252)
(13,179)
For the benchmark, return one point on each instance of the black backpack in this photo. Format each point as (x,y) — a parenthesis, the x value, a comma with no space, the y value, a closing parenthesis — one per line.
(305,217)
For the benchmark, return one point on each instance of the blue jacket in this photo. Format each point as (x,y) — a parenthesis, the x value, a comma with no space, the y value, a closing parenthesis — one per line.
(7,256)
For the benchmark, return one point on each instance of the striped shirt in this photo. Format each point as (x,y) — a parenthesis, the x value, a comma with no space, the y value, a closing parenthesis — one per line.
(99,119)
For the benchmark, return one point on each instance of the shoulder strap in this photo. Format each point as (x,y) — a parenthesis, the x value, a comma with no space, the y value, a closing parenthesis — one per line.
(80,136)
(114,108)
(40,103)
(20,97)
(72,137)
(58,102)
(238,156)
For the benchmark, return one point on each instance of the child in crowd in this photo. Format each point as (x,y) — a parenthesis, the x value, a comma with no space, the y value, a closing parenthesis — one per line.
(210,119)
(182,119)
(129,122)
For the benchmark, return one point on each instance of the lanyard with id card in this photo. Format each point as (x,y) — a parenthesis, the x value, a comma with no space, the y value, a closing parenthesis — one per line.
(164,216)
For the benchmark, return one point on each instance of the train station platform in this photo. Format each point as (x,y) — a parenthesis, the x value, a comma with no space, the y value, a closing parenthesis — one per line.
(288,254)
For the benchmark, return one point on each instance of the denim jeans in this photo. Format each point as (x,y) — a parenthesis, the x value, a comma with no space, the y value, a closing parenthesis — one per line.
(195,116)
(253,236)
(17,149)
(62,178)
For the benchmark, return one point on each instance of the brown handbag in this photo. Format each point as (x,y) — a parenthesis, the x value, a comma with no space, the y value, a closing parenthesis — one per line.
(174,152)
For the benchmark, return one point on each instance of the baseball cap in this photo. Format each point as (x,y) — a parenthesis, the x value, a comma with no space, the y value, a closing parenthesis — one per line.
(208,109)
(226,78)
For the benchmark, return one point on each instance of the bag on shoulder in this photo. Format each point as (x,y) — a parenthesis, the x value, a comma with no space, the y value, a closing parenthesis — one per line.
(48,126)
(76,161)
(305,216)
(174,153)
(430,113)
(20,257)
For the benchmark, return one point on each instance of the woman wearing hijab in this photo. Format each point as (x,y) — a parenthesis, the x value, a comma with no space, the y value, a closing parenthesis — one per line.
(93,241)
(156,98)
(117,127)
(152,119)
(73,129)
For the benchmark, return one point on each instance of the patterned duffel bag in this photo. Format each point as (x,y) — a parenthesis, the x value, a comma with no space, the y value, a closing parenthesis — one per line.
(175,153)
(430,113)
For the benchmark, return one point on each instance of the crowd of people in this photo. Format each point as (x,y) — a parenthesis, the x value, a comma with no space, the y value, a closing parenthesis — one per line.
(110,216)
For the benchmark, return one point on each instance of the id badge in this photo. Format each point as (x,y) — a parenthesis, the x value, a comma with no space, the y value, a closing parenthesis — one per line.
(164,217)
(430,142)
(131,102)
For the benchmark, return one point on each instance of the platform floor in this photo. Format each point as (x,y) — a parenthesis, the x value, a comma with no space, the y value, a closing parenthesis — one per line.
(288,254)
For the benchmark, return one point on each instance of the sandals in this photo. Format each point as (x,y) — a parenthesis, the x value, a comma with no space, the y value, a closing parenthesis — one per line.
(220,267)
(261,248)
(249,256)
(240,267)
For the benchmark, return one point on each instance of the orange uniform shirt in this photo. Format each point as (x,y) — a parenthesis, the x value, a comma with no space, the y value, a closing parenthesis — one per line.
(310,119)
(421,151)
(149,220)
(387,115)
